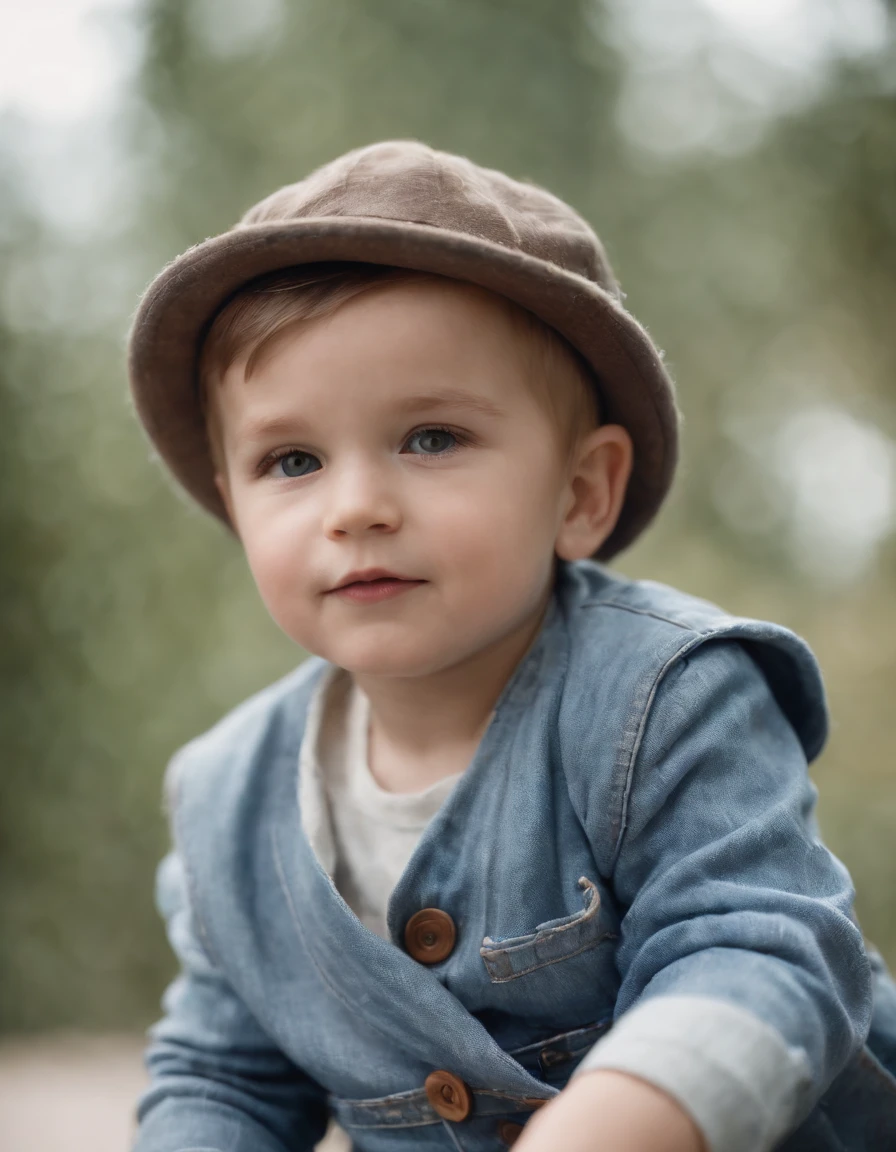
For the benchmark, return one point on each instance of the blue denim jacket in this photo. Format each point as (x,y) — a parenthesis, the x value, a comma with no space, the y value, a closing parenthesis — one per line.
(635,829)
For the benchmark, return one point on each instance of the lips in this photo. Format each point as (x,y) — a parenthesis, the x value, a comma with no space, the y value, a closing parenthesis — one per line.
(370,576)
(371,585)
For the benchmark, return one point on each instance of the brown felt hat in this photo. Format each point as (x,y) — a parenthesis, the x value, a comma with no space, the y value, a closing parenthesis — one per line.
(403,204)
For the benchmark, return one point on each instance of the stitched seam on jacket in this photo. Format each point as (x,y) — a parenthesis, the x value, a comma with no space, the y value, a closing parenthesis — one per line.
(584,916)
(644,612)
(275,844)
(385,1126)
(683,651)
(450,1132)
(546,963)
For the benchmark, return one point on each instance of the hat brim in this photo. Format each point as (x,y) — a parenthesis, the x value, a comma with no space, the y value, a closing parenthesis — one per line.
(174,315)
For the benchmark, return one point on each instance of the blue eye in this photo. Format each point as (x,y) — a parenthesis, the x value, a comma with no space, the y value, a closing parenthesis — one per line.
(296,464)
(432,441)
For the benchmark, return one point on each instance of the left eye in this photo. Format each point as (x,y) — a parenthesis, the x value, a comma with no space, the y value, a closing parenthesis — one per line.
(431,441)
(296,463)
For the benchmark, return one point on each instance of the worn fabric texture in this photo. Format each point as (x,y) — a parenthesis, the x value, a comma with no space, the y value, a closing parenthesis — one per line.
(404,204)
(636,828)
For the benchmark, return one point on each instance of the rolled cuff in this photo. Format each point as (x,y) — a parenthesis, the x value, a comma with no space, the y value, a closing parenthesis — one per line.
(741,1083)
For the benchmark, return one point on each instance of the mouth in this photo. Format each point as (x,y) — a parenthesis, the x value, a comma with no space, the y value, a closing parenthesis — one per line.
(373,584)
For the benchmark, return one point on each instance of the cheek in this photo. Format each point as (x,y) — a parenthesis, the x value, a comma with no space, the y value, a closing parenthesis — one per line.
(275,546)
(517,497)
(499,522)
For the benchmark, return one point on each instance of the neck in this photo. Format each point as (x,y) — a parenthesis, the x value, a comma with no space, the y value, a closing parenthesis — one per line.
(423,728)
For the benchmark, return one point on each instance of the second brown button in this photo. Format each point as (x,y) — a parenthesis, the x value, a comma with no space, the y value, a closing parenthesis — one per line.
(510,1132)
(449,1096)
(429,935)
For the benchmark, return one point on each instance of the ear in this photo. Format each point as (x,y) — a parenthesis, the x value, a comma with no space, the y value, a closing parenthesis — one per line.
(598,478)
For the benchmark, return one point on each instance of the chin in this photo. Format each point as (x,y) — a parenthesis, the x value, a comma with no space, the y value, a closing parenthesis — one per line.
(392,659)
(392,666)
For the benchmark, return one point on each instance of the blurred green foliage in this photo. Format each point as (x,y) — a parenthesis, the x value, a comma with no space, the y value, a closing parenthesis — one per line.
(761,264)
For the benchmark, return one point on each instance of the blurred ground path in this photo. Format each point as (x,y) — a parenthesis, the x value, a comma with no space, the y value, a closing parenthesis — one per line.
(71,1093)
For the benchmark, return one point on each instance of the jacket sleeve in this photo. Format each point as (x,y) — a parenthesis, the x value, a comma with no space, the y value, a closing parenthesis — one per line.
(745,986)
(218,1082)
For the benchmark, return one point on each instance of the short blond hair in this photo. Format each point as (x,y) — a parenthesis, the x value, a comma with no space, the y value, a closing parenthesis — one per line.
(252,324)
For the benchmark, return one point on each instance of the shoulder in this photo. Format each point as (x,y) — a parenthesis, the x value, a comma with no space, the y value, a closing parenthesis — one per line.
(588,589)
(628,636)
(246,744)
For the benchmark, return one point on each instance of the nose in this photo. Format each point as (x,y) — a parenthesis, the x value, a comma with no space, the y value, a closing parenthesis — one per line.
(360,500)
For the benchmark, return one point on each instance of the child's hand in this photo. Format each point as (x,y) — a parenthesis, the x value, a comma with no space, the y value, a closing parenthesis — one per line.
(606,1111)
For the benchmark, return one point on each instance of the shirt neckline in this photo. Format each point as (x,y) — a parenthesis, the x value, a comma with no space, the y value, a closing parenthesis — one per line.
(398,809)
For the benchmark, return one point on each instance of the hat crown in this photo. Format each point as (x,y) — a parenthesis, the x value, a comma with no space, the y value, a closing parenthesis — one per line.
(404,180)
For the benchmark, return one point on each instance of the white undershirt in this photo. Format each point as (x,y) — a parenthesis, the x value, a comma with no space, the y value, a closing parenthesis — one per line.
(372,833)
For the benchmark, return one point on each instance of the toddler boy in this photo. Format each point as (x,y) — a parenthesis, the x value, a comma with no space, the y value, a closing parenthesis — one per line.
(522,832)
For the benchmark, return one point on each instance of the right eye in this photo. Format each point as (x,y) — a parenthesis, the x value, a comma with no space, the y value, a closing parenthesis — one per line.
(291,464)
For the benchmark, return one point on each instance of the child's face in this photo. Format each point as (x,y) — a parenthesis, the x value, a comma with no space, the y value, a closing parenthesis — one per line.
(404,434)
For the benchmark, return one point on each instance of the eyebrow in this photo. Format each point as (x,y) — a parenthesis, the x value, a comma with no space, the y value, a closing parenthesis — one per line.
(263,427)
(449,398)
(458,398)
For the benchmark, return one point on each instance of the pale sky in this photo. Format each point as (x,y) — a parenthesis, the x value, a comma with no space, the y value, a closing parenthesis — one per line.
(56,62)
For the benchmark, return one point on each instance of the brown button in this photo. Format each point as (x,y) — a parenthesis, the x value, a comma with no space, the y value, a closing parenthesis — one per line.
(429,935)
(449,1096)
(509,1132)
